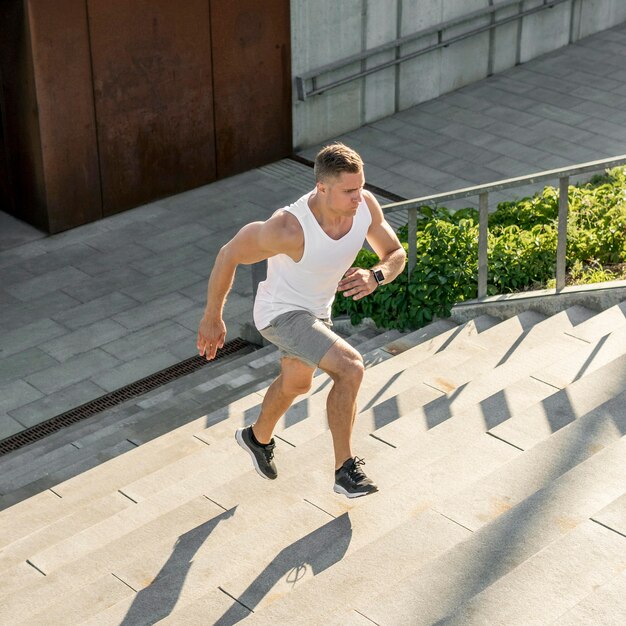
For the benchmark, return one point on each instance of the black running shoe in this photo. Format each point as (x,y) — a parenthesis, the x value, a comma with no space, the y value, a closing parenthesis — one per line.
(351,481)
(262,456)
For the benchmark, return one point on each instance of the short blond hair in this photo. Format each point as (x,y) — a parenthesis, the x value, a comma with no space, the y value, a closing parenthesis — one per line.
(334,159)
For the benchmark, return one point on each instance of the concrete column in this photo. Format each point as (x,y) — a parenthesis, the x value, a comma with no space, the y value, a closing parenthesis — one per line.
(379,27)
(467,61)
(322,32)
(545,31)
(419,78)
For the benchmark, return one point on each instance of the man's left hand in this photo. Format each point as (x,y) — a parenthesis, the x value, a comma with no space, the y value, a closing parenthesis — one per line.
(357,283)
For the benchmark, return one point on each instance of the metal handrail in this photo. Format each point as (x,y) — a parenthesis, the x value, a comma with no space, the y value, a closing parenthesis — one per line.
(313,75)
(482,191)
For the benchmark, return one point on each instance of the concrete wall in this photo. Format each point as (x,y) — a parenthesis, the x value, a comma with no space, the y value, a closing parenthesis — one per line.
(325,31)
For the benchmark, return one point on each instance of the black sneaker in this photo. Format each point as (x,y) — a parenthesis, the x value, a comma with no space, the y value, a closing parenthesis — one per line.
(351,481)
(262,456)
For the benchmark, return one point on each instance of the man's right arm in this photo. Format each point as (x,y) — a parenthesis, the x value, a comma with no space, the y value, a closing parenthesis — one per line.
(253,243)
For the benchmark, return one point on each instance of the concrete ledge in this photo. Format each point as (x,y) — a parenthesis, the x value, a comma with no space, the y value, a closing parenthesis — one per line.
(598,296)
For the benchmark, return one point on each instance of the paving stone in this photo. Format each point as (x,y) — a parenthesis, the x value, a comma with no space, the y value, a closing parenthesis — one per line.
(77,368)
(29,336)
(177,237)
(605,605)
(83,339)
(19,254)
(74,607)
(553,128)
(148,340)
(69,525)
(116,258)
(46,283)
(584,361)
(105,283)
(165,283)
(24,364)
(437,589)
(154,265)
(613,516)
(90,312)
(17,394)
(114,376)
(8,426)
(565,406)
(16,314)
(15,232)
(57,258)
(133,231)
(56,403)
(544,586)
(541,465)
(14,274)
(158,310)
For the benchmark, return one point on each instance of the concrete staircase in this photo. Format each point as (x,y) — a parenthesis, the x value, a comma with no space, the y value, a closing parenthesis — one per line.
(498,447)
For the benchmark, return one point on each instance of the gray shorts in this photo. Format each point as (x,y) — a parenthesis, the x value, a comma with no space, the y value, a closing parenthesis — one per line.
(301,335)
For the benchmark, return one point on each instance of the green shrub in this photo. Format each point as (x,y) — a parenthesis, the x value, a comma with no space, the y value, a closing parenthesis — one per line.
(521,245)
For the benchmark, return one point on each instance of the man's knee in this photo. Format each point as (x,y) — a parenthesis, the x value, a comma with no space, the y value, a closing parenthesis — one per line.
(296,377)
(343,363)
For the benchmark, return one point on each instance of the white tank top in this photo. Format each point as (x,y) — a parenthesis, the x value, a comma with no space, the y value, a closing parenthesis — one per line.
(311,283)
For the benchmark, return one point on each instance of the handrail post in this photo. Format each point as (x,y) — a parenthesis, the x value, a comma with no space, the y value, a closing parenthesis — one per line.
(483,222)
(561,247)
(412,236)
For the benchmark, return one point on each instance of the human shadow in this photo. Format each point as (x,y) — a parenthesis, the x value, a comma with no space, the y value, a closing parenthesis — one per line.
(157,600)
(318,551)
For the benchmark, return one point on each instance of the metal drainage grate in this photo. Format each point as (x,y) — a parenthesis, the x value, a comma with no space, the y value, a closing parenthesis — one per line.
(39,431)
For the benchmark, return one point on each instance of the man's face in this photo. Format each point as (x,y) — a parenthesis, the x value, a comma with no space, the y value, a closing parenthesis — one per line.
(343,193)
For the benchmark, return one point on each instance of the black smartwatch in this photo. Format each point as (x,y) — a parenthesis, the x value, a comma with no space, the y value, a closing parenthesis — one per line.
(379,277)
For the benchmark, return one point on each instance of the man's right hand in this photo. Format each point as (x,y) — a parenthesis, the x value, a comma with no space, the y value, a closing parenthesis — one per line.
(211,336)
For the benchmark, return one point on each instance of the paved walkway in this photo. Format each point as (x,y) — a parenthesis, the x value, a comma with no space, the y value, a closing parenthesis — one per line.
(88,311)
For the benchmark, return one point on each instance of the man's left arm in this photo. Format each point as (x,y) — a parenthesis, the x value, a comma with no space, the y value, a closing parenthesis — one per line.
(358,282)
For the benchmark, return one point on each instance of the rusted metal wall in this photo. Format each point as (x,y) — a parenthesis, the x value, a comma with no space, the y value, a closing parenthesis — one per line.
(154,98)
(109,104)
(252,82)
(6,183)
(21,124)
(60,48)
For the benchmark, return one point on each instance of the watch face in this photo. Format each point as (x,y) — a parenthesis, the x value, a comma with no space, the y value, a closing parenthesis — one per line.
(379,276)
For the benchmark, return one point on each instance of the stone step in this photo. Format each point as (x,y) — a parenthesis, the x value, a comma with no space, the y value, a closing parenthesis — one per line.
(563,407)
(546,461)
(550,582)
(323,482)
(496,402)
(149,489)
(229,495)
(67,526)
(413,587)
(601,324)
(168,544)
(409,356)
(604,605)
(481,381)
(132,494)
(25,456)
(80,489)
(594,355)
(135,495)
(431,495)
(517,348)
(104,444)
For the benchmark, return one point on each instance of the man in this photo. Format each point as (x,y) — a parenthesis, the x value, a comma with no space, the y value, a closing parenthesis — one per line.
(310,246)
